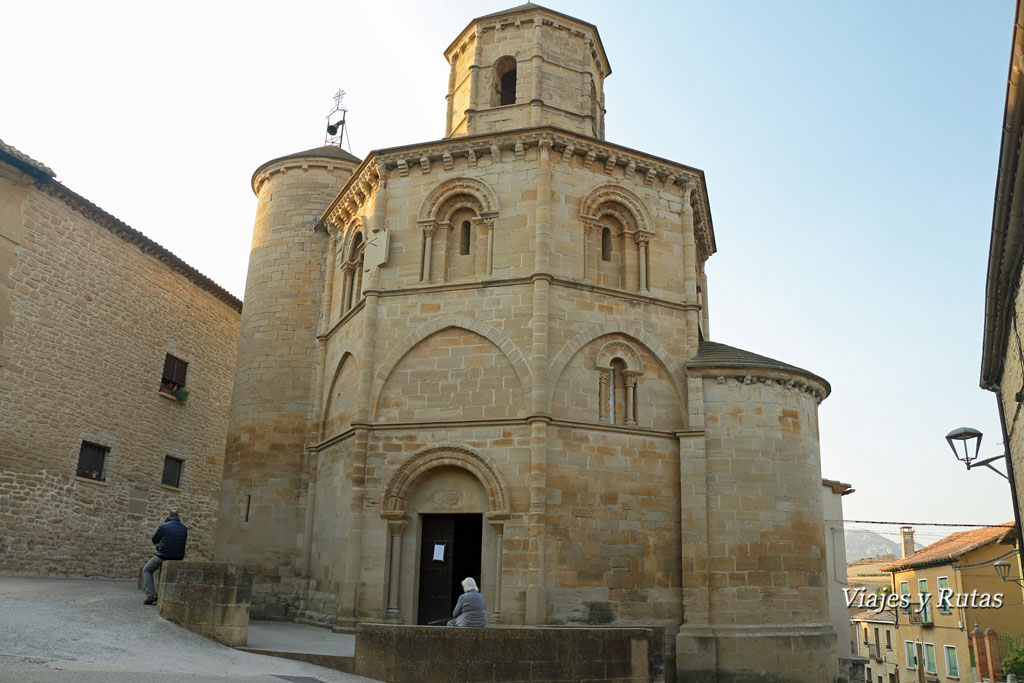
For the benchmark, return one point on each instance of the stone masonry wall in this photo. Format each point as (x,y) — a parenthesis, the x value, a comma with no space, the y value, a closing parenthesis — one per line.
(91,318)
(1010,383)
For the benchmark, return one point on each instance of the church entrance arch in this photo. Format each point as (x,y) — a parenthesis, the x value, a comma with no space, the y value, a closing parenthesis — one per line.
(436,504)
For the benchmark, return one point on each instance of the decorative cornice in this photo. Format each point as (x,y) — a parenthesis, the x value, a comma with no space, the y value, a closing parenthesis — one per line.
(524,422)
(570,149)
(781,378)
(371,176)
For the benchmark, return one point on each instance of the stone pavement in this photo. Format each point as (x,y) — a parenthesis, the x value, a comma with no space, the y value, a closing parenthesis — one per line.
(93,631)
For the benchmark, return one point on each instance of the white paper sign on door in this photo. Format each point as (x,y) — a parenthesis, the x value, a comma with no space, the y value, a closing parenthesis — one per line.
(439,552)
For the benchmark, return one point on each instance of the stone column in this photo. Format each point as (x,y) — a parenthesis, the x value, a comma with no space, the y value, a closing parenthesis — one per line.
(588,77)
(396,527)
(428,245)
(630,382)
(602,396)
(346,288)
(312,462)
(536,600)
(705,312)
(488,224)
(588,227)
(536,603)
(641,242)
(538,63)
(327,310)
(348,613)
(451,96)
(490,245)
(499,531)
(689,271)
(474,84)
(446,246)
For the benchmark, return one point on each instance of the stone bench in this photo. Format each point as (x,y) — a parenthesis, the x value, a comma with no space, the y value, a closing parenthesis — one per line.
(210,598)
(547,653)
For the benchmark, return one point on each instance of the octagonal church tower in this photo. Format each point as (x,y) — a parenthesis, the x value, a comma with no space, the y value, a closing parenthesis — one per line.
(489,356)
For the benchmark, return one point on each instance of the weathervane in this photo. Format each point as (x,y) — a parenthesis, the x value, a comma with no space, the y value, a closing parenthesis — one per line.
(336,131)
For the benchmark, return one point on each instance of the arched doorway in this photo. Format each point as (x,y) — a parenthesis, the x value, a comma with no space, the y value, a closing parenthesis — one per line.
(445,507)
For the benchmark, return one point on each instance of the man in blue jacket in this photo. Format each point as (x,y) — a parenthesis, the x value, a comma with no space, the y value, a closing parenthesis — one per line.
(170,539)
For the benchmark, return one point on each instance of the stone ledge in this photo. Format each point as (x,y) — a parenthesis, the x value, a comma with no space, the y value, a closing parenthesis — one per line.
(210,598)
(431,653)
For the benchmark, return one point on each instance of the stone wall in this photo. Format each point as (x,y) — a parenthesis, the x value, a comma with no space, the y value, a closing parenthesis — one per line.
(273,399)
(425,653)
(1010,384)
(89,318)
(210,598)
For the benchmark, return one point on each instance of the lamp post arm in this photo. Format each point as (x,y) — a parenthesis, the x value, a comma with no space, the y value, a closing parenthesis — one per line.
(987,462)
(995,470)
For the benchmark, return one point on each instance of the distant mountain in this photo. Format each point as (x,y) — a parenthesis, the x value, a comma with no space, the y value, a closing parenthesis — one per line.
(861,544)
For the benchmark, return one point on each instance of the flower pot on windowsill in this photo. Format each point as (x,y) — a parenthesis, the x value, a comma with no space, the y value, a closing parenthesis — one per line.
(181,394)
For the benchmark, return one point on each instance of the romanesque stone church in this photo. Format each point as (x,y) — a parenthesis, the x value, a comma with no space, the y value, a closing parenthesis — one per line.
(489,355)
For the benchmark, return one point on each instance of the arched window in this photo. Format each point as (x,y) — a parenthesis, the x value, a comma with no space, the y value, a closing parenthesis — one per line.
(464,238)
(508,87)
(619,367)
(606,244)
(355,272)
(504,82)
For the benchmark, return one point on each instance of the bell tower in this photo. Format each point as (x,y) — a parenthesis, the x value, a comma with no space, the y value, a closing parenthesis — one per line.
(524,67)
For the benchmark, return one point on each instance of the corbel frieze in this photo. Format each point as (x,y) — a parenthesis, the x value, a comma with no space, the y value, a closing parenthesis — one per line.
(654,174)
(752,376)
(357,191)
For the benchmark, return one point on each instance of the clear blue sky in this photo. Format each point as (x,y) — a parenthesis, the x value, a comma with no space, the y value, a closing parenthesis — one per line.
(850,150)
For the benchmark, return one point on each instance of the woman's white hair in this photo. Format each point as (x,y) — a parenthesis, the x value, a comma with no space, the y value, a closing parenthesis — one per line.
(468,584)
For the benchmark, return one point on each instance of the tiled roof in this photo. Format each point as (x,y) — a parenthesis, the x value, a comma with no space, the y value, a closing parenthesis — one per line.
(325,151)
(886,616)
(49,185)
(22,159)
(713,355)
(513,10)
(952,547)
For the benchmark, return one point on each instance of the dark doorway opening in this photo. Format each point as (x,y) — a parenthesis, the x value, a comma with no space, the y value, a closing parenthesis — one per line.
(457,539)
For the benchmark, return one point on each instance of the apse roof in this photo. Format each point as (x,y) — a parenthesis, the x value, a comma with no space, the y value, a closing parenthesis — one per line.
(713,354)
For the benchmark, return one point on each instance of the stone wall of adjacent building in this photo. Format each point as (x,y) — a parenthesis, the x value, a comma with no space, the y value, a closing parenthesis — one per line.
(87,317)
(1010,385)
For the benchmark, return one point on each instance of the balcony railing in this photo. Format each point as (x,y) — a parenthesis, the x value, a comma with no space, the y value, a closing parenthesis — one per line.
(874,653)
(919,618)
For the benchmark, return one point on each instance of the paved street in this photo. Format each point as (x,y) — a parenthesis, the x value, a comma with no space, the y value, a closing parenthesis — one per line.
(92,631)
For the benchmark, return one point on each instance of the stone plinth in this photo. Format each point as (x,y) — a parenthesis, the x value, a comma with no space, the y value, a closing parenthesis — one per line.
(437,653)
(210,598)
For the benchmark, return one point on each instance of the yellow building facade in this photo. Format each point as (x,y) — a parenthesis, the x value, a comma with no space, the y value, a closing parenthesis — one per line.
(935,636)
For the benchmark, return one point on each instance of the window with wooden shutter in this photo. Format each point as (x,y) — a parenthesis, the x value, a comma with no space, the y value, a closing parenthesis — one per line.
(174,374)
(172,472)
(91,459)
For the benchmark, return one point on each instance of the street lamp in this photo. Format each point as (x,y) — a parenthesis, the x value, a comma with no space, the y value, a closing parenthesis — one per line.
(1003,569)
(965,435)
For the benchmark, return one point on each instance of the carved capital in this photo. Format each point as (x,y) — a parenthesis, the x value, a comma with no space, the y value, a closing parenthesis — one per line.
(604,377)
(396,524)
(642,239)
(382,175)
(630,380)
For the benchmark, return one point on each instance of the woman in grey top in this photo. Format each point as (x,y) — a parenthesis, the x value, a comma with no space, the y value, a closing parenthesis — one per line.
(470,610)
